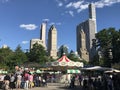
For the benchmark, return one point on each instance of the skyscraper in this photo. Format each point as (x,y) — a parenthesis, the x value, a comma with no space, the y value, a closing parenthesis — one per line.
(42,39)
(43,34)
(89,28)
(33,41)
(52,42)
(83,51)
(92,12)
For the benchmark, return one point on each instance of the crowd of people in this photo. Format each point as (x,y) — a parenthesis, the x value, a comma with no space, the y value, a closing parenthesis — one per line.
(23,80)
(100,82)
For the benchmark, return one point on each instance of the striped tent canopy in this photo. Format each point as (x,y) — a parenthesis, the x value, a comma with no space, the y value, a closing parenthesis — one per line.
(64,63)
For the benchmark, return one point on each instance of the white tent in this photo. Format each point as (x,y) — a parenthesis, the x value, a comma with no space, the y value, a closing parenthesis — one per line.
(97,68)
(112,71)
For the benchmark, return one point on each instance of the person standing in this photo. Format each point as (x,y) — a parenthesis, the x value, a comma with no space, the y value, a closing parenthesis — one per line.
(30,80)
(26,76)
(6,82)
(18,82)
(12,81)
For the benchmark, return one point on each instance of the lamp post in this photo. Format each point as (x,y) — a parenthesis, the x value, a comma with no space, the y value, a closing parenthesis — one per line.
(99,55)
(110,56)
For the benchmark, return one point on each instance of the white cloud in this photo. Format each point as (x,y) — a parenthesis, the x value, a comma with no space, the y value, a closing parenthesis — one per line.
(28,26)
(81,5)
(103,3)
(58,23)
(65,0)
(46,20)
(75,5)
(25,42)
(71,13)
(52,23)
(59,3)
(69,5)
(4,1)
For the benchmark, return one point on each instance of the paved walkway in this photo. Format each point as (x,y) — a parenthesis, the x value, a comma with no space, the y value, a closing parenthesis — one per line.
(53,88)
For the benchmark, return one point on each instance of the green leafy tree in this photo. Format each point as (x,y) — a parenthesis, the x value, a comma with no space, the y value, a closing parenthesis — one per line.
(116,65)
(38,54)
(5,57)
(19,56)
(95,61)
(73,56)
(109,39)
(63,50)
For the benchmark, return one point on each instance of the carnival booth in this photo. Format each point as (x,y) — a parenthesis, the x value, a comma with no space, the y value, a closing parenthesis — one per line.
(66,66)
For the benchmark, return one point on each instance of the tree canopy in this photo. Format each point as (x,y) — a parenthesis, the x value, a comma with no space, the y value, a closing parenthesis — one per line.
(11,58)
(108,42)
(38,54)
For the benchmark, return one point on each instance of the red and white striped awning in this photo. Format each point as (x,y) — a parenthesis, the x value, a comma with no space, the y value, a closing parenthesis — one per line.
(64,58)
(65,61)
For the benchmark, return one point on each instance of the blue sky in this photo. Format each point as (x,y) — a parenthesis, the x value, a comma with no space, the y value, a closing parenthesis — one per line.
(20,19)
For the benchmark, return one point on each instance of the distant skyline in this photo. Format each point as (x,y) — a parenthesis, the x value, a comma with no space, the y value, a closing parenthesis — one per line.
(20,20)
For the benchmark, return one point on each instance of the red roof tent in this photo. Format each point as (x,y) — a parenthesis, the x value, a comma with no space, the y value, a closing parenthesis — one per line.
(64,58)
(65,61)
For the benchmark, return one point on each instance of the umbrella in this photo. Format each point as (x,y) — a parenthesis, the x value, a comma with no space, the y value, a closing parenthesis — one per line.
(38,71)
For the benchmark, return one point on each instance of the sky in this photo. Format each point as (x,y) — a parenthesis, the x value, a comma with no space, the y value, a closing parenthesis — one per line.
(20,20)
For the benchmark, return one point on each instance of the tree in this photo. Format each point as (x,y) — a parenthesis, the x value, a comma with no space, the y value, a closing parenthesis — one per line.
(63,49)
(95,61)
(72,56)
(5,57)
(38,54)
(19,56)
(108,39)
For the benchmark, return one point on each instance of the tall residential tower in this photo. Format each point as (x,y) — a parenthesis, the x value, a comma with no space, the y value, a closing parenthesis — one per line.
(52,42)
(89,28)
(43,34)
(42,39)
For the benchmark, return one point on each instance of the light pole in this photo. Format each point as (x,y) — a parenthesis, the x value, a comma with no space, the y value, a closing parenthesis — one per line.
(99,55)
(110,56)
